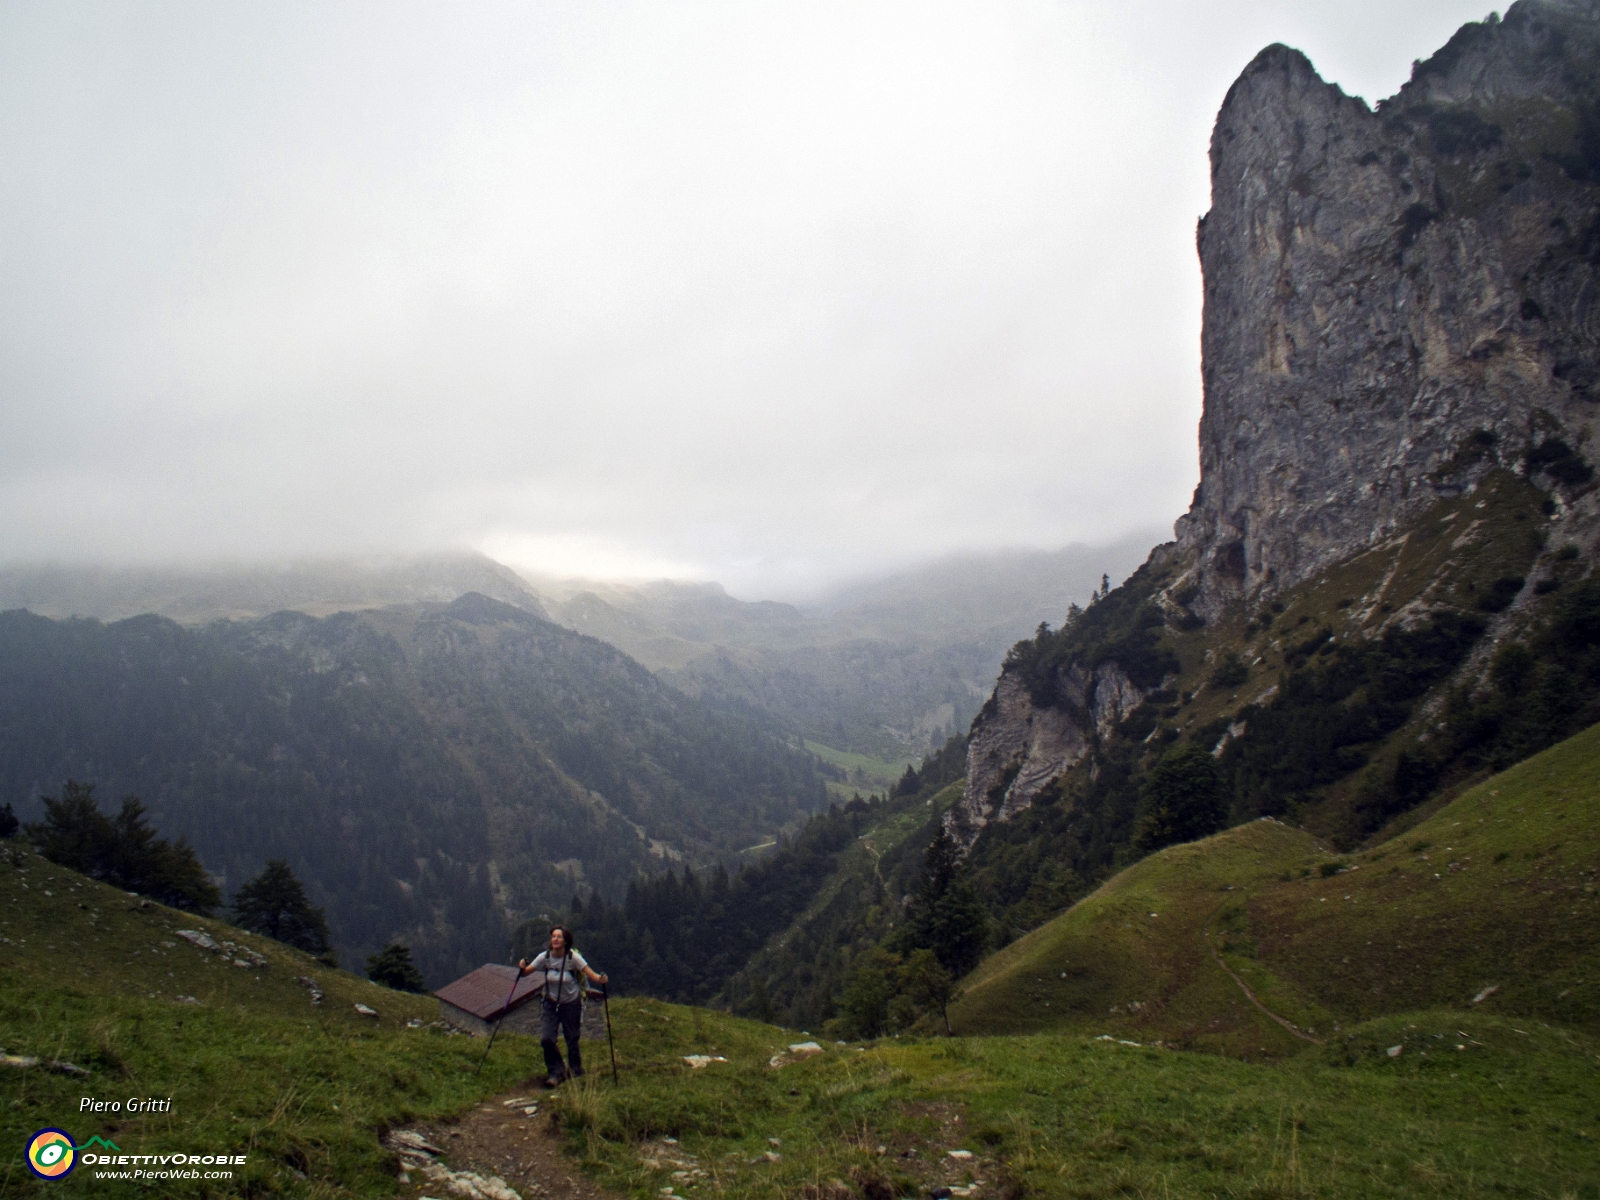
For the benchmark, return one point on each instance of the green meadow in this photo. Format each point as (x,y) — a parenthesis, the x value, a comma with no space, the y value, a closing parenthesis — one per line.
(1253,1015)
(864,771)
(1470,1106)
(1490,906)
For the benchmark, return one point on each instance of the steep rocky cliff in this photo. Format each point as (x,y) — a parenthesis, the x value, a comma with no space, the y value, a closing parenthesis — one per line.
(1401,303)
(1381,286)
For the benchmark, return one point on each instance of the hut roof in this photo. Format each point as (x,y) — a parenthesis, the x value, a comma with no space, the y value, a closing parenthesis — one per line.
(483,992)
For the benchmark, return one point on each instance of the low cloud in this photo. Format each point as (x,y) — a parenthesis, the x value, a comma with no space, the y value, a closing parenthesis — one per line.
(768,293)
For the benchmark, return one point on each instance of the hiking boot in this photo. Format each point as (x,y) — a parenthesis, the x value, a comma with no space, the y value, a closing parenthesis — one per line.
(552,1081)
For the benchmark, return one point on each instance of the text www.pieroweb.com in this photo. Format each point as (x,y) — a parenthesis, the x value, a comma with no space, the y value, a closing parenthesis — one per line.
(152,1167)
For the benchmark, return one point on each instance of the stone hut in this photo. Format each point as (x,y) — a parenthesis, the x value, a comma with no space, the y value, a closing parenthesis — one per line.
(477,1000)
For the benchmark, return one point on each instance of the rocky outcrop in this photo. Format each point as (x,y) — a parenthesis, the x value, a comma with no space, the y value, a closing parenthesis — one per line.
(1395,300)
(1019,748)
(1015,751)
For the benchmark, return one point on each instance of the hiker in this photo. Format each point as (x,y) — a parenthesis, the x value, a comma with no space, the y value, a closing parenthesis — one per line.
(563,1002)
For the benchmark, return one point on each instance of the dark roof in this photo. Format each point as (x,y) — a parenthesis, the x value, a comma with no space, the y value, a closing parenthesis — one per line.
(483,992)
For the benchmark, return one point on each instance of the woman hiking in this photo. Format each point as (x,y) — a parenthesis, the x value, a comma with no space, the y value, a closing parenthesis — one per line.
(563,1002)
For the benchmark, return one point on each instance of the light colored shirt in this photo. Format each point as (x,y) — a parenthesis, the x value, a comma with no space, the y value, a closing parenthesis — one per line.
(560,974)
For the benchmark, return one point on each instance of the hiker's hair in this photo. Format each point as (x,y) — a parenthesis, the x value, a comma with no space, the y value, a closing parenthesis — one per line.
(566,936)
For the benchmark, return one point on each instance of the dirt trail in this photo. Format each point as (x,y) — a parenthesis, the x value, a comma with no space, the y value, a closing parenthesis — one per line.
(1251,996)
(501,1139)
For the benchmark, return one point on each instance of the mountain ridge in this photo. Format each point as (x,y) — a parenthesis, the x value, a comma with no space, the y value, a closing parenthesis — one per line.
(434,773)
(318,587)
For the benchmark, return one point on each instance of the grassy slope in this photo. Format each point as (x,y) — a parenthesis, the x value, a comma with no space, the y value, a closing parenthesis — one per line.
(1450,553)
(1510,1113)
(89,976)
(1138,941)
(255,1068)
(1496,889)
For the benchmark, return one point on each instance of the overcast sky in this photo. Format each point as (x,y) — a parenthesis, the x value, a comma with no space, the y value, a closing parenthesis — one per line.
(774,294)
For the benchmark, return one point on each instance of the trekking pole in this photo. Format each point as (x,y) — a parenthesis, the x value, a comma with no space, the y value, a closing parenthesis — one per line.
(605,1003)
(516,978)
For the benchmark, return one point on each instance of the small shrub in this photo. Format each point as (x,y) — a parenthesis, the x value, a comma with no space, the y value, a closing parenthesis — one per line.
(1230,672)
(1559,461)
(1500,594)
(1512,668)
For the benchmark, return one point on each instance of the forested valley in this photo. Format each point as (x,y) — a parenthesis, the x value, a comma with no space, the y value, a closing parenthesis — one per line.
(434,774)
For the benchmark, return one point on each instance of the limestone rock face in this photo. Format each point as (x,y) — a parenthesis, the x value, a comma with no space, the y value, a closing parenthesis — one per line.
(1395,300)
(1015,751)
(1019,748)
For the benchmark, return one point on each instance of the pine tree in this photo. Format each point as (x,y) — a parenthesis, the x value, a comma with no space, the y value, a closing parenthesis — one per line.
(274,904)
(758,1005)
(8,823)
(74,833)
(866,997)
(393,968)
(947,917)
(123,851)
(1183,799)
(181,881)
(925,982)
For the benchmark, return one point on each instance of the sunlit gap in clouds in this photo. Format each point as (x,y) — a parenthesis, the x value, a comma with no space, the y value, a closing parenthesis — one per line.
(579,556)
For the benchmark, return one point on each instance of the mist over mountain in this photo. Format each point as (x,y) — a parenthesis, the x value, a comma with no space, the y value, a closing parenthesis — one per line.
(891,666)
(232,591)
(996,595)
